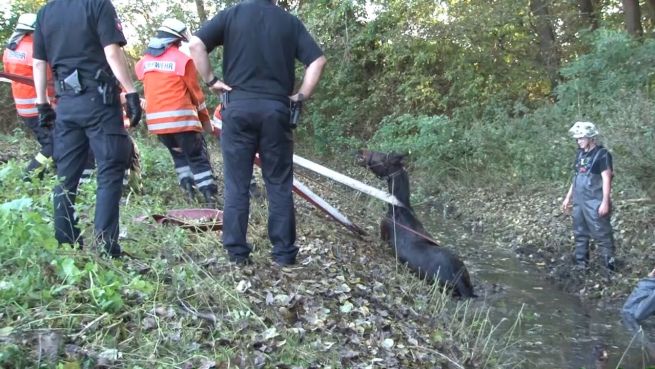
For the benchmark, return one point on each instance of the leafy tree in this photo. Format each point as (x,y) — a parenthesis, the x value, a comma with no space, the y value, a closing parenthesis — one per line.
(17,7)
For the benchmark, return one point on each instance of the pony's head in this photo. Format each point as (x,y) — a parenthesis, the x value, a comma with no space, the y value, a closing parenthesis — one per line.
(383,165)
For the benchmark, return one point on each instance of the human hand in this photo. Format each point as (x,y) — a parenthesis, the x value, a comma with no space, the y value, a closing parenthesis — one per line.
(124,101)
(566,205)
(47,115)
(652,273)
(219,87)
(297,97)
(208,127)
(133,108)
(603,209)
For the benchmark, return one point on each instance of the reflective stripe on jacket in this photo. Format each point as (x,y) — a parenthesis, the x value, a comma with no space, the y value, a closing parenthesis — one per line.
(175,101)
(19,62)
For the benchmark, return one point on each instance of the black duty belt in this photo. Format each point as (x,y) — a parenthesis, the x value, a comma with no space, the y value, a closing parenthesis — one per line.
(236,95)
(86,84)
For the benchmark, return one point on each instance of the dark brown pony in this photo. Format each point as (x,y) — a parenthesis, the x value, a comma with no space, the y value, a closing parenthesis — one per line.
(406,235)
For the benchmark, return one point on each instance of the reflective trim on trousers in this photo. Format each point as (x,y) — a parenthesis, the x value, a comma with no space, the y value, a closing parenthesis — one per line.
(41,159)
(205,183)
(184,172)
(86,176)
(184,169)
(202,175)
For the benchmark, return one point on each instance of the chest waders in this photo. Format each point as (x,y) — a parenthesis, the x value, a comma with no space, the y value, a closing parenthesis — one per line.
(587,197)
(640,304)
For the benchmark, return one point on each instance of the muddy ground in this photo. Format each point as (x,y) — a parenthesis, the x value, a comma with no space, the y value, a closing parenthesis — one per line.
(529,220)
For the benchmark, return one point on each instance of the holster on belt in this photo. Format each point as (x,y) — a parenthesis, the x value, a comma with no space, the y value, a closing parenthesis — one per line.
(295,108)
(107,87)
(70,83)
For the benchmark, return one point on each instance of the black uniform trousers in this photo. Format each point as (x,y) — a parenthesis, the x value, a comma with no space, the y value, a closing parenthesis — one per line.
(83,123)
(191,160)
(251,126)
(44,137)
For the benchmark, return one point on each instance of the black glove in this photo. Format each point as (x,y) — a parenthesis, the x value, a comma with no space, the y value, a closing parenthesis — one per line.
(46,115)
(133,108)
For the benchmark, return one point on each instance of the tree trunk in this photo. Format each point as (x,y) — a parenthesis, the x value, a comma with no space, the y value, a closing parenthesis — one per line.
(202,13)
(547,43)
(588,14)
(632,16)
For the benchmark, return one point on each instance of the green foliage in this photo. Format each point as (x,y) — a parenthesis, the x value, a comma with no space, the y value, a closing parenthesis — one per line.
(16,8)
(505,149)
(617,65)
(432,139)
(418,59)
(629,131)
(144,17)
(491,123)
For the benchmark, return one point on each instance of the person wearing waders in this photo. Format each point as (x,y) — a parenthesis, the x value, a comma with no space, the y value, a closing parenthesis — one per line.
(639,306)
(589,196)
(176,110)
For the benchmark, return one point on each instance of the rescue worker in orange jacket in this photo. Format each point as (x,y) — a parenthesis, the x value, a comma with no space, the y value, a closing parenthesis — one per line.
(176,110)
(17,60)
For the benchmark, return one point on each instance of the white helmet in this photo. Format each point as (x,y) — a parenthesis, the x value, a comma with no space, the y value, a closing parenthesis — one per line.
(176,28)
(26,22)
(583,130)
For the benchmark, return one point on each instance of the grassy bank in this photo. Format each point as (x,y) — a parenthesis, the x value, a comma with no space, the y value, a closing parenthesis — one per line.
(177,303)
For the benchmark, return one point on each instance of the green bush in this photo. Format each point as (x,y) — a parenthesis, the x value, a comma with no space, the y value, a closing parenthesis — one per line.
(505,141)
(616,65)
(517,149)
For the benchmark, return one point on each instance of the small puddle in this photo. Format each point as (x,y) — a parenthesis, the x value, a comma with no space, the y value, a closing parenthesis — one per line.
(557,330)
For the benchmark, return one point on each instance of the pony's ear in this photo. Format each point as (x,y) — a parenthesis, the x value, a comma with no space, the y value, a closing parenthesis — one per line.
(398,158)
(403,158)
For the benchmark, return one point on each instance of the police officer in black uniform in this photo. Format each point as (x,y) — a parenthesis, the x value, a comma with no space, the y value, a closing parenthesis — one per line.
(261,42)
(81,40)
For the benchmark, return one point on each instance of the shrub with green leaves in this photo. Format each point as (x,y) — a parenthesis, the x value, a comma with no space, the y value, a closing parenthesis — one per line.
(616,67)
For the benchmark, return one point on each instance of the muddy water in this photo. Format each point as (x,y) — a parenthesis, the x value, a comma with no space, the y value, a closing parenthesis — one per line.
(557,329)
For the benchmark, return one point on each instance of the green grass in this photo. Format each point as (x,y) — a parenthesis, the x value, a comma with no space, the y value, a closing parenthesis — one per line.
(179,304)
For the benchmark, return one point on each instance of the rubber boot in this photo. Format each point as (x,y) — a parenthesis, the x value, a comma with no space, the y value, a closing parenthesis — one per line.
(610,263)
(187,187)
(37,167)
(210,200)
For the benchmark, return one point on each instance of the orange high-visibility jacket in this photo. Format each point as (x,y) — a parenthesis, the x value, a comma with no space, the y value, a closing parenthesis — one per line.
(175,101)
(19,62)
